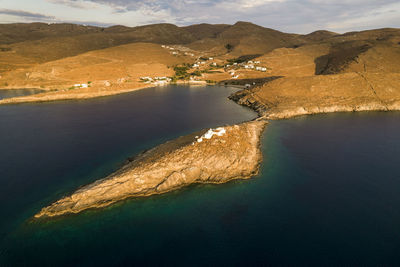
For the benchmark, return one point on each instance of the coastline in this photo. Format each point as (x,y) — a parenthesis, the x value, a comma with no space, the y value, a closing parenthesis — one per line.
(283,106)
(175,164)
(64,95)
(54,95)
(234,152)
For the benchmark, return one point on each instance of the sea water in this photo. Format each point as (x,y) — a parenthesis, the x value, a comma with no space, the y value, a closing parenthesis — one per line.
(327,192)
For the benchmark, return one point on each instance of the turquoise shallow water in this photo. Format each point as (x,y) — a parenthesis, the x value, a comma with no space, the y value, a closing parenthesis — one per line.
(327,192)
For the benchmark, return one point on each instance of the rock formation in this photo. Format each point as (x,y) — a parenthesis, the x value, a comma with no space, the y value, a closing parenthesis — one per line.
(210,156)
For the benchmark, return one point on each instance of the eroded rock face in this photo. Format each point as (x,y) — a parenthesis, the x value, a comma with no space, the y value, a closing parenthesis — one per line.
(294,96)
(233,153)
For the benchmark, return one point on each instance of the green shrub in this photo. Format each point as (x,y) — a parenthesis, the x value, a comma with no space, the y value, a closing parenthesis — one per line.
(196,73)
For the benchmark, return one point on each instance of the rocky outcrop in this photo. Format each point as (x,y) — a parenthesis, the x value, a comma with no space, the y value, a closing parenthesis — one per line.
(248,99)
(349,92)
(210,156)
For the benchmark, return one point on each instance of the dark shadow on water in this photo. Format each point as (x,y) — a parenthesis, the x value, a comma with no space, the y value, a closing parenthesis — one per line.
(8,93)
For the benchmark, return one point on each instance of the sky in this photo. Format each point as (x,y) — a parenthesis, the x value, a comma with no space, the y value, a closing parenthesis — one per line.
(297,16)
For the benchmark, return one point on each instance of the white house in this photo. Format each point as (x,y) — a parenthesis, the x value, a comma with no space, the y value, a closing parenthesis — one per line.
(264,69)
(81,85)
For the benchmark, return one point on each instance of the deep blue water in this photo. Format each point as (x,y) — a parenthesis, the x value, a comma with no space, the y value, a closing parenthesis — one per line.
(328,192)
(8,93)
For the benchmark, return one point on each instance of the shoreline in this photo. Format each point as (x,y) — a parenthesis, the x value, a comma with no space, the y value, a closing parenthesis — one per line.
(171,166)
(248,99)
(51,96)
(126,182)
(54,95)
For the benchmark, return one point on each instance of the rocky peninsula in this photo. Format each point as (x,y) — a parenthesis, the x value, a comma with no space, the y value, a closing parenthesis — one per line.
(209,156)
(288,97)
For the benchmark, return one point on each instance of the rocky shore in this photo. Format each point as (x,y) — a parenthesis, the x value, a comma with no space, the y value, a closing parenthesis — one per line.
(350,92)
(76,94)
(209,156)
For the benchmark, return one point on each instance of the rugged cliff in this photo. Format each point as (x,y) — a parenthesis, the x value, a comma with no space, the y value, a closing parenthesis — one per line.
(209,156)
(293,96)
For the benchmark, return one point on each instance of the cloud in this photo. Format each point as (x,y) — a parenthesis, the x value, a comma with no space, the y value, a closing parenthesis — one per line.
(300,16)
(26,14)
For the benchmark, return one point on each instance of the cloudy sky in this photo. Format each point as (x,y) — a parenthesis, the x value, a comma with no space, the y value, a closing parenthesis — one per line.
(299,16)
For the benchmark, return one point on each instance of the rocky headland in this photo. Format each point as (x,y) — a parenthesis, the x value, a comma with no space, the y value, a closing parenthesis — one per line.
(281,76)
(209,156)
(349,92)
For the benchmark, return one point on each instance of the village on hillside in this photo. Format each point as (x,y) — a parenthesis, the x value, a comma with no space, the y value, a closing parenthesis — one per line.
(207,69)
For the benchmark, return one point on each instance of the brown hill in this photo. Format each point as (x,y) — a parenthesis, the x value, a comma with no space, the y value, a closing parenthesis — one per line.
(19,32)
(204,30)
(318,36)
(246,38)
(122,63)
(53,48)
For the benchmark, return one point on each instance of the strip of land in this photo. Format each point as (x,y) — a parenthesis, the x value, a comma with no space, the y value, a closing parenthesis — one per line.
(281,75)
(209,156)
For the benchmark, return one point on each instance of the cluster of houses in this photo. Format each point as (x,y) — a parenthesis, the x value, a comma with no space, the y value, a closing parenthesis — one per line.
(156,80)
(233,74)
(200,63)
(220,131)
(251,65)
(170,48)
(175,51)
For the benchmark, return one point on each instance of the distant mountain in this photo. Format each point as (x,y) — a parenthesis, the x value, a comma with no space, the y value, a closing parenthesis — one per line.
(19,32)
(23,44)
(319,35)
(65,45)
(204,30)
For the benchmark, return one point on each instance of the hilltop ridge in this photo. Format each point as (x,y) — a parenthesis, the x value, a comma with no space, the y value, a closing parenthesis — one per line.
(118,59)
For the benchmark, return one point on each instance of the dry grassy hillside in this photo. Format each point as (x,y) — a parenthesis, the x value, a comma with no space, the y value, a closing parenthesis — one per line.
(320,68)
(204,30)
(19,32)
(124,63)
(53,48)
(247,38)
(329,76)
(319,36)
